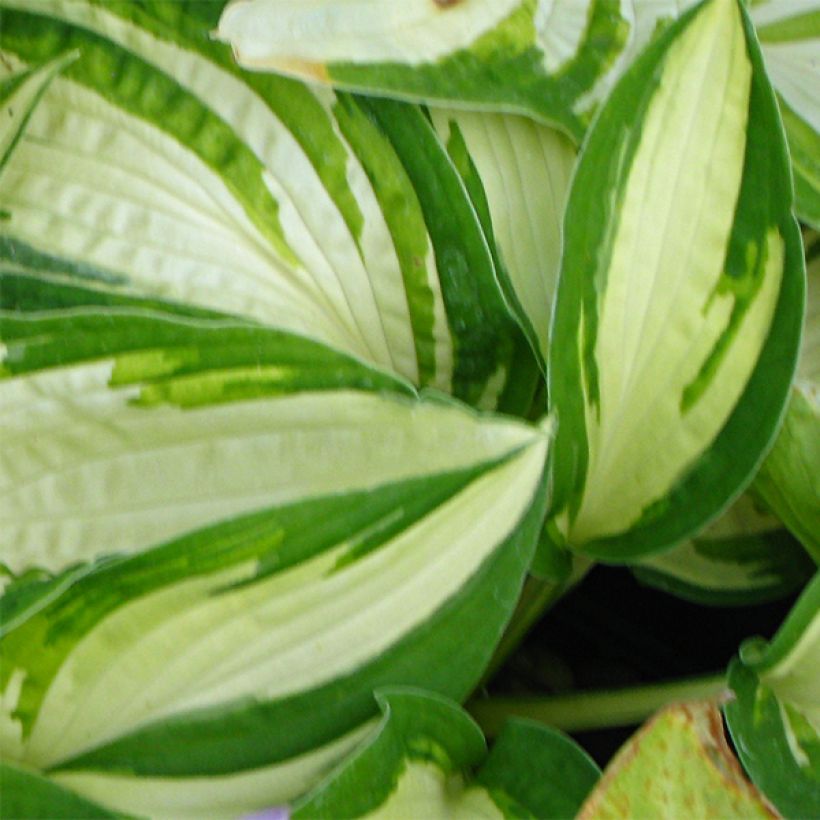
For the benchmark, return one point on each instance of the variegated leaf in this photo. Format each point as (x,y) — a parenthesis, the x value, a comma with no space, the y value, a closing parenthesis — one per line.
(744,557)
(19,94)
(775,716)
(302,529)
(789,478)
(154,165)
(551,59)
(677,318)
(444,68)
(538,57)
(411,765)
(415,764)
(518,173)
(789,32)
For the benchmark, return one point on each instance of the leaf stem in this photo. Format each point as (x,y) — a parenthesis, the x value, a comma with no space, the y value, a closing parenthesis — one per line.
(580,711)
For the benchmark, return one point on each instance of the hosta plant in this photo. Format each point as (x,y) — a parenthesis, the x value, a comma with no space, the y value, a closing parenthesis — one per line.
(338,339)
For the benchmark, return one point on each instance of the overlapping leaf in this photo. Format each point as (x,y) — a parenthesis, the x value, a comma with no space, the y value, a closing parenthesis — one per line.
(227,513)
(518,56)
(416,764)
(152,164)
(230,514)
(303,529)
(518,174)
(789,32)
(19,94)
(789,478)
(673,341)
(554,60)
(429,56)
(744,557)
(775,716)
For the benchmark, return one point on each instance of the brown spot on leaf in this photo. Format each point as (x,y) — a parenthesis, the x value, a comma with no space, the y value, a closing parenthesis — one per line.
(446,4)
(679,762)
